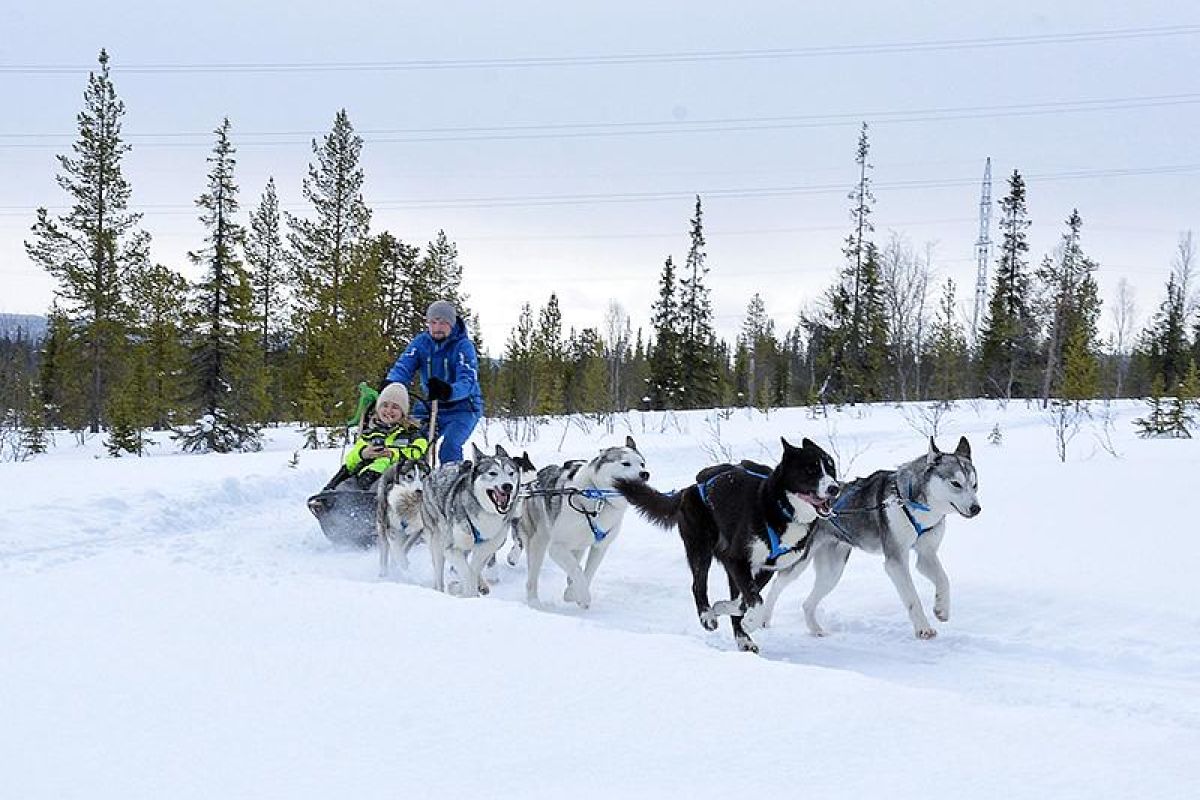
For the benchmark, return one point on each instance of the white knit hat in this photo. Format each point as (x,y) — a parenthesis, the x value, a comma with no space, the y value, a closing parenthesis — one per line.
(394,393)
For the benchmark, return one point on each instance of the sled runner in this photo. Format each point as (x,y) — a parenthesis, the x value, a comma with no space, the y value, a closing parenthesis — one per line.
(346,516)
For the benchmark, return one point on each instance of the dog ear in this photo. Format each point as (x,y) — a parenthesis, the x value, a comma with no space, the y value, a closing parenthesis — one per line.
(787,445)
(501,452)
(933,449)
(964,448)
(808,444)
(478,454)
(630,443)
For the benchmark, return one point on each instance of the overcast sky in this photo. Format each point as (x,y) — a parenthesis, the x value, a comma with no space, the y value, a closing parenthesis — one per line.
(561,144)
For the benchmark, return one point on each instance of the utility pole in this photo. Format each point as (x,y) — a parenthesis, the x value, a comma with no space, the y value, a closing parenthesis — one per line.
(983,249)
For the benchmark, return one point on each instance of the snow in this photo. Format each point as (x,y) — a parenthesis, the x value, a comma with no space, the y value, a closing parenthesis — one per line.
(176,626)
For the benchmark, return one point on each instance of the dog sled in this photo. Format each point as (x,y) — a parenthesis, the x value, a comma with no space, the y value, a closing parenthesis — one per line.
(346,516)
(346,513)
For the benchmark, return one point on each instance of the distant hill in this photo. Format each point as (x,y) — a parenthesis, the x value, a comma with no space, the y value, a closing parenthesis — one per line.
(34,325)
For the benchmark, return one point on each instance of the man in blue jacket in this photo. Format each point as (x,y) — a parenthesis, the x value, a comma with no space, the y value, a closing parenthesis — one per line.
(446,361)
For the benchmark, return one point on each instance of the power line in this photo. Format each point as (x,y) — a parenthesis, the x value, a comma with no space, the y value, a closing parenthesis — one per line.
(510,201)
(637,128)
(669,57)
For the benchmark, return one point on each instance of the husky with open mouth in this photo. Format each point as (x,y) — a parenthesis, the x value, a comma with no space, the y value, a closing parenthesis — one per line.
(467,509)
(752,518)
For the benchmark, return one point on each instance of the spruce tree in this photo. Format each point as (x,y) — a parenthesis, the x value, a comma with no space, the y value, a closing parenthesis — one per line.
(857,243)
(697,343)
(549,358)
(160,349)
(402,291)
(92,249)
(518,377)
(948,349)
(62,398)
(442,275)
(226,369)
(1007,340)
(269,281)
(1164,344)
(337,314)
(1072,306)
(665,373)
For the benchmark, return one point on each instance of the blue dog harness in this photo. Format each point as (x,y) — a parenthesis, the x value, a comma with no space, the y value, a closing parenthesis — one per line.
(907,504)
(599,495)
(785,508)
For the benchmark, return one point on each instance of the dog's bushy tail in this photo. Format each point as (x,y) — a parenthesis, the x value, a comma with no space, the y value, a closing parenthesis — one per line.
(661,509)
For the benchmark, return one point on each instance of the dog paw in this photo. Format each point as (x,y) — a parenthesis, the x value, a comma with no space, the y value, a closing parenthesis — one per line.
(746,644)
(926,633)
(484,589)
(942,614)
(709,620)
(514,557)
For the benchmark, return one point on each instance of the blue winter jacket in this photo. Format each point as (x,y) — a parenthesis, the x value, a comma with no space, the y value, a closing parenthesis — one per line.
(453,360)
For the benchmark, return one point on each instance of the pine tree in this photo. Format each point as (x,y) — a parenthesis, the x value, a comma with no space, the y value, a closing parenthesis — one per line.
(549,358)
(851,339)
(226,372)
(401,290)
(948,349)
(269,281)
(1081,368)
(34,438)
(160,349)
(585,389)
(129,411)
(442,274)
(857,243)
(337,315)
(666,377)
(92,249)
(1164,344)
(518,377)
(871,348)
(1008,336)
(62,398)
(697,343)
(1072,307)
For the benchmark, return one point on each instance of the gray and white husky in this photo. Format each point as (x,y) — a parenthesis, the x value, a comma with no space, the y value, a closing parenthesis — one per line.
(467,508)
(892,511)
(518,535)
(575,512)
(398,510)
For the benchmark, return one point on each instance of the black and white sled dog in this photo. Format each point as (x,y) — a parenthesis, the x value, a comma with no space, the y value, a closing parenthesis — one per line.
(752,518)
(467,508)
(892,511)
(398,510)
(575,511)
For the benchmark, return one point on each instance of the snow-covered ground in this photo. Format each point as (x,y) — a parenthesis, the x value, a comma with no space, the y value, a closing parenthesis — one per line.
(176,626)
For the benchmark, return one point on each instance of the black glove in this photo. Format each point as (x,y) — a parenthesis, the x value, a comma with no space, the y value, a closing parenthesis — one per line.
(439,389)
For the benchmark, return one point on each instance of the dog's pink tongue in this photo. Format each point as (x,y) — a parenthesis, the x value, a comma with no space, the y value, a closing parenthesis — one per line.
(500,498)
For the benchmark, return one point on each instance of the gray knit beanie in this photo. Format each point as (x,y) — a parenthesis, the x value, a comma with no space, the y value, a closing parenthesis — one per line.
(443,310)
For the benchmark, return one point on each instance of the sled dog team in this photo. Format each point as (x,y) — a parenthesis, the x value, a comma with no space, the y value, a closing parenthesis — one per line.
(758,521)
